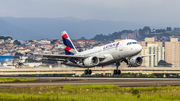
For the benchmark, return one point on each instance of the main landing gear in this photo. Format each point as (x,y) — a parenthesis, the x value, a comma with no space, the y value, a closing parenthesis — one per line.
(117,71)
(87,71)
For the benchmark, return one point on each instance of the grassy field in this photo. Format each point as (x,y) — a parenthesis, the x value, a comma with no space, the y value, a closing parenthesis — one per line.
(90,93)
(3,80)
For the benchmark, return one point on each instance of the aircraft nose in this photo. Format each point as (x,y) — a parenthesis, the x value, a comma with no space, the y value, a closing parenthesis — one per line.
(138,48)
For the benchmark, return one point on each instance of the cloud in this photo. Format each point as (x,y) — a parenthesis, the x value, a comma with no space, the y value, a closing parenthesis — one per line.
(143,11)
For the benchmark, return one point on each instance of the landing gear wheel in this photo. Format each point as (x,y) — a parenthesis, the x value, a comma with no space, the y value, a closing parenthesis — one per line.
(87,72)
(90,72)
(117,72)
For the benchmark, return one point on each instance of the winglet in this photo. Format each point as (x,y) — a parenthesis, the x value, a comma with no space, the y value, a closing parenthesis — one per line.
(69,47)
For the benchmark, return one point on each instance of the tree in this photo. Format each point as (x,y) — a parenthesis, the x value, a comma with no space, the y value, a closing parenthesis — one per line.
(146,30)
(160,30)
(16,42)
(168,29)
(163,63)
(43,49)
(83,38)
(17,55)
(99,37)
(8,37)
(5,38)
(30,60)
(52,42)
(30,41)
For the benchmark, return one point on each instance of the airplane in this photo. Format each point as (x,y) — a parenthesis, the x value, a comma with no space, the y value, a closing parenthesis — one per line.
(117,52)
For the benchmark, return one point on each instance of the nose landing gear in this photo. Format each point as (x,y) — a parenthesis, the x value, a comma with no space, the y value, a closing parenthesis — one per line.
(88,71)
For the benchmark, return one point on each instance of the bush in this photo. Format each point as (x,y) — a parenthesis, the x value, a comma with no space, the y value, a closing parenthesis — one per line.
(134,91)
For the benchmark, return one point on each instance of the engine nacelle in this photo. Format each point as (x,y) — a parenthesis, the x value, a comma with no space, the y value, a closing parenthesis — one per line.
(91,61)
(135,61)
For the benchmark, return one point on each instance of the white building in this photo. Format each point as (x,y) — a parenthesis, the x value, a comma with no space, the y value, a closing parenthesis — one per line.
(152,61)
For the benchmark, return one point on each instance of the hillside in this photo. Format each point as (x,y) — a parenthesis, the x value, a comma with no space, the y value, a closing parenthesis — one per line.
(39,28)
(159,34)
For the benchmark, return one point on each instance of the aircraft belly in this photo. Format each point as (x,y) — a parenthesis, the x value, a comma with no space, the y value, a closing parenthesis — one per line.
(106,63)
(109,59)
(75,65)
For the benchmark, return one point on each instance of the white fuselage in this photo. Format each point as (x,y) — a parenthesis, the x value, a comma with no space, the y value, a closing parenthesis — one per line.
(112,52)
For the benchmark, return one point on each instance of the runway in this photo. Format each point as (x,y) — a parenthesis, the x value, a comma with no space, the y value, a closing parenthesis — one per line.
(122,82)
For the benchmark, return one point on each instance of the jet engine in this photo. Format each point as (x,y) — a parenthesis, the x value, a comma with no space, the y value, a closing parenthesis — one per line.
(91,61)
(135,61)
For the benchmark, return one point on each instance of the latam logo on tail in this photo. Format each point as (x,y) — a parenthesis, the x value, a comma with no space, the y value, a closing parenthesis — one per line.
(69,47)
(117,52)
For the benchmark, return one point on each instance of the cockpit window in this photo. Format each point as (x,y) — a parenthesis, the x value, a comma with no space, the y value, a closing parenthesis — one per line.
(129,43)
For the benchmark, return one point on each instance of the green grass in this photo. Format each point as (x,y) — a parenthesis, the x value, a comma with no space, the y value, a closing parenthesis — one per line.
(16,80)
(90,93)
(91,87)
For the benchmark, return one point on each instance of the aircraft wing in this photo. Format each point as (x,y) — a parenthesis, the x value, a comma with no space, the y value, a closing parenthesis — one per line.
(63,57)
(147,55)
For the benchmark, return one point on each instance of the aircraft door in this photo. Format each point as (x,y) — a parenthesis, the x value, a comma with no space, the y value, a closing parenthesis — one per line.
(120,46)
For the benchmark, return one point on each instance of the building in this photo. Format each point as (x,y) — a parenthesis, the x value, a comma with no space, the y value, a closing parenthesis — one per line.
(1,41)
(152,61)
(172,52)
(150,41)
(44,42)
(22,51)
(152,47)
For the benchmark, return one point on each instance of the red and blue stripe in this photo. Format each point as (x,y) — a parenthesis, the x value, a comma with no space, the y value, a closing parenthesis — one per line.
(68,45)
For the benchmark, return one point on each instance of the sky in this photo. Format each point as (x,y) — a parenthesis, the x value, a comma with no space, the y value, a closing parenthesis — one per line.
(149,12)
